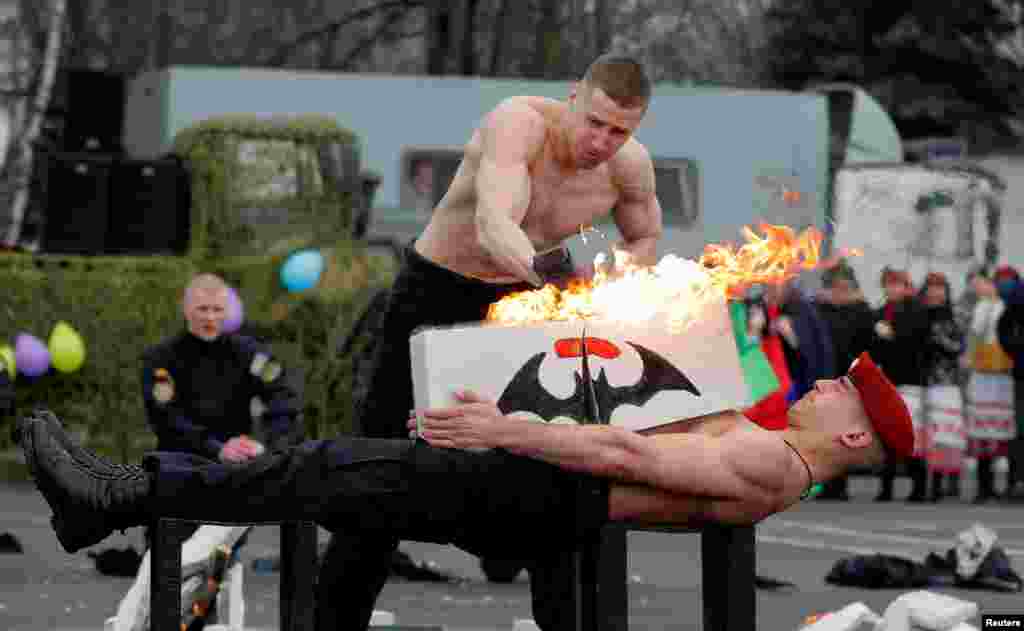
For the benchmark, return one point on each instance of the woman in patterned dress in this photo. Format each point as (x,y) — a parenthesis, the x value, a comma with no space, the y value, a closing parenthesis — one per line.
(944,439)
(990,415)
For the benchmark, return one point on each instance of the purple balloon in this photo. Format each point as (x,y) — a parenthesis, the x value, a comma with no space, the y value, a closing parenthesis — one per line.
(30,355)
(236,313)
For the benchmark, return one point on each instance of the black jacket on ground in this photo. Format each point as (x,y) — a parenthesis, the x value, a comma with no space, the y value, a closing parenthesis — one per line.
(199,394)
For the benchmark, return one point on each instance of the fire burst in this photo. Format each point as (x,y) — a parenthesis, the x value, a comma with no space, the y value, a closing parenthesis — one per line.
(676,290)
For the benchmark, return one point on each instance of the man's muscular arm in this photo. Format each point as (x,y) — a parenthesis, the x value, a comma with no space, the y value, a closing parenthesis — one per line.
(676,463)
(638,212)
(509,137)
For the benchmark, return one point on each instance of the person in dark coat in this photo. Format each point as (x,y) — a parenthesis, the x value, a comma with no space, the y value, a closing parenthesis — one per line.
(850,324)
(1011,337)
(900,333)
(944,412)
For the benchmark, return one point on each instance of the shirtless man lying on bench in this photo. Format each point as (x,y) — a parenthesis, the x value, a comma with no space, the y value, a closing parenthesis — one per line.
(535,485)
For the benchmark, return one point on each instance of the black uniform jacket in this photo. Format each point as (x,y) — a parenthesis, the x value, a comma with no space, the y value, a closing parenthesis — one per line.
(199,394)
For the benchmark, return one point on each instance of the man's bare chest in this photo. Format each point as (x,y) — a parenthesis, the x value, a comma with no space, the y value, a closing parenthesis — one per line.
(559,204)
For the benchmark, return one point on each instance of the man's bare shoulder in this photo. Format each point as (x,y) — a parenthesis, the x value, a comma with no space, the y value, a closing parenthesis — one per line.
(632,166)
(530,110)
(516,121)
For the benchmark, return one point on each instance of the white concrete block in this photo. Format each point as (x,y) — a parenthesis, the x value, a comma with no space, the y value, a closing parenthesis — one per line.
(487,359)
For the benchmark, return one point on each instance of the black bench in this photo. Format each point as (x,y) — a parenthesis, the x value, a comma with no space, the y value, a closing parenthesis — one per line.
(298,567)
(728,570)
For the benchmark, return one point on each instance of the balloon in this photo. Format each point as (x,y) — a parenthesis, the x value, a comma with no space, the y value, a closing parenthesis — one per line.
(31,355)
(7,355)
(236,312)
(302,270)
(67,351)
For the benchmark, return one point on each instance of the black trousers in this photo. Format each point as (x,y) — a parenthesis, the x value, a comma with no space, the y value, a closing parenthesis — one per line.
(423,294)
(377,491)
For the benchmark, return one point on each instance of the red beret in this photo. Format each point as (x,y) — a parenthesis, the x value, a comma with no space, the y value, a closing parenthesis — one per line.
(884,405)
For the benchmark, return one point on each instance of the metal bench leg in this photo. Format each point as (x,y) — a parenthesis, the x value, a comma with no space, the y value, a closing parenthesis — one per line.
(166,537)
(298,563)
(728,568)
(599,582)
(612,580)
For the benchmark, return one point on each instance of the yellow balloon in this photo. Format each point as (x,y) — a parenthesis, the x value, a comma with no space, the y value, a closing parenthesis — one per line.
(7,357)
(67,351)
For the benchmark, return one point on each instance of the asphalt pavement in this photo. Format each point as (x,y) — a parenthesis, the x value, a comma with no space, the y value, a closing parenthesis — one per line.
(45,589)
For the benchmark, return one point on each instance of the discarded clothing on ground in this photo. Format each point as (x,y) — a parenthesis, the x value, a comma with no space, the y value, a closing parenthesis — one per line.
(975,562)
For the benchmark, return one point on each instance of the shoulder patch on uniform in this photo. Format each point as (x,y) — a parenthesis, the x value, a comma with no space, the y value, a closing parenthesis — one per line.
(259,363)
(271,372)
(163,386)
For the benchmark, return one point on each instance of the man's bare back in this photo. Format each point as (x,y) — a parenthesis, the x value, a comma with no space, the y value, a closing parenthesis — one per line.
(520,164)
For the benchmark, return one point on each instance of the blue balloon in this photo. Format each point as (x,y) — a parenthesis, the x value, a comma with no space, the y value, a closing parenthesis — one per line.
(302,270)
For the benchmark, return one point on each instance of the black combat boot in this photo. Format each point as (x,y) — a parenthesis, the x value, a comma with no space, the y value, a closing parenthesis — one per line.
(76,451)
(89,497)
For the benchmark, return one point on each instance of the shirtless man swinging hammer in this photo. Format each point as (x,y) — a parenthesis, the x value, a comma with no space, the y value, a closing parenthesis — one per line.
(533,173)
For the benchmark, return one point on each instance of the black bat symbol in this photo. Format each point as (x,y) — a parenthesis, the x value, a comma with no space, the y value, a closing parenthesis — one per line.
(526,394)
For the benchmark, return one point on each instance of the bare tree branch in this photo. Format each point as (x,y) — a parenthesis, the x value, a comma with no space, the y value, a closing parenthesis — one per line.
(282,54)
(468,65)
(394,35)
(499,38)
(359,49)
(31,130)
(438,42)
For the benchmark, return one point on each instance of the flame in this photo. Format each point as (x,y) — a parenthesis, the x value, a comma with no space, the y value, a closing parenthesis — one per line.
(675,290)
(777,256)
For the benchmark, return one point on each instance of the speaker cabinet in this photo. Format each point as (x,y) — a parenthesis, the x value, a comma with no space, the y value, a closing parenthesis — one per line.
(77,193)
(92,104)
(149,208)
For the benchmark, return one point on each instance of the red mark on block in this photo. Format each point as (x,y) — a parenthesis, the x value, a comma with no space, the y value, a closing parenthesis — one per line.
(571,347)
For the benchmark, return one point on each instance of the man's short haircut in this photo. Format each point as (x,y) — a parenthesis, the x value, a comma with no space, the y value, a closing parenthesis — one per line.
(622,77)
(203,282)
